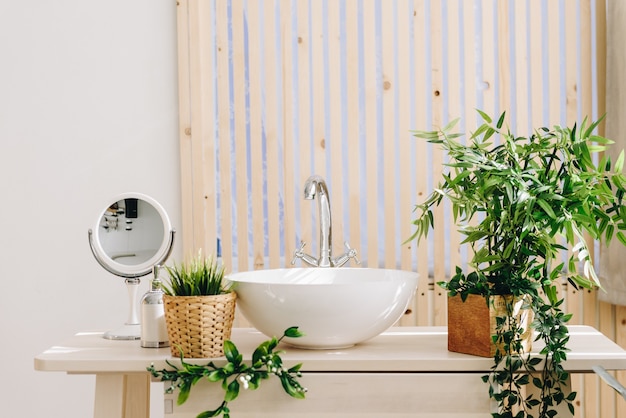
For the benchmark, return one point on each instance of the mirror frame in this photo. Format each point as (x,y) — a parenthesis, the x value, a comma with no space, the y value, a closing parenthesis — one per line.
(141,269)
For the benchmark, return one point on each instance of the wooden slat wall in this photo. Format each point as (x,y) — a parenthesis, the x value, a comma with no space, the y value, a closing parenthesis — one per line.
(272,91)
(610,62)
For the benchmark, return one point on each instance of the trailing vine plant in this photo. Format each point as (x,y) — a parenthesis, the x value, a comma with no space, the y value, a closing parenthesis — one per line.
(513,368)
(235,374)
(520,202)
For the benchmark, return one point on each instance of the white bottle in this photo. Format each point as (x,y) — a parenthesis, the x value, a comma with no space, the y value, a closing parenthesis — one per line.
(153,328)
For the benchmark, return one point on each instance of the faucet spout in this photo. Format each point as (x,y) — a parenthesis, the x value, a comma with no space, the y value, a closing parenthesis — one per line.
(315,188)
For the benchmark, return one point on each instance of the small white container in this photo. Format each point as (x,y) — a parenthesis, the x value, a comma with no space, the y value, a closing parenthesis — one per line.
(153,328)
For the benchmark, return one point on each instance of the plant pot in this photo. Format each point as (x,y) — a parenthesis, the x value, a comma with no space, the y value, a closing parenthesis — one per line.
(471,324)
(199,325)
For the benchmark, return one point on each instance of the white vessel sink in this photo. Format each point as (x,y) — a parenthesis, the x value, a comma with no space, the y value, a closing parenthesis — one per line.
(333,307)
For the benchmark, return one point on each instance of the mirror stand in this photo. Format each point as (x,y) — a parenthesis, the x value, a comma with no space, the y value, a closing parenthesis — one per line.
(130,237)
(131,330)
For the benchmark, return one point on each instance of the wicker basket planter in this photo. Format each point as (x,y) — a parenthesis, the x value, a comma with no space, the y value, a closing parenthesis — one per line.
(471,324)
(199,325)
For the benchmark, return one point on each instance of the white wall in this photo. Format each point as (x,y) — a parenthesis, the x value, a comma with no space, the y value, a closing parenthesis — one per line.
(88,110)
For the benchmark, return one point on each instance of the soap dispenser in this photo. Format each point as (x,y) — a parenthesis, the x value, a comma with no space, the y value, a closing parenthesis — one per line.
(153,328)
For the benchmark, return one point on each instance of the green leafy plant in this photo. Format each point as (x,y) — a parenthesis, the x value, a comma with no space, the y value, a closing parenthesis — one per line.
(201,276)
(235,374)
(520,202)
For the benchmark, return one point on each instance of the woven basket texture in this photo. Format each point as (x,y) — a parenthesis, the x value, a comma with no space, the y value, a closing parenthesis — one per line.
(199,325)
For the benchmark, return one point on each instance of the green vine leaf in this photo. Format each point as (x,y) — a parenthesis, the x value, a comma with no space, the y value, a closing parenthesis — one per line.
(235,375)
(231,353)
(232,391)
(293,332)
(183,394)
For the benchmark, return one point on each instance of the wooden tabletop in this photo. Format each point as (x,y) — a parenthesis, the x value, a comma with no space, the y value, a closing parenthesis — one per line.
(401,349)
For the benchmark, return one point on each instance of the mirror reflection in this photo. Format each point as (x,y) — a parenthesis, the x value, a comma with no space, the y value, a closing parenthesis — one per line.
(131,231)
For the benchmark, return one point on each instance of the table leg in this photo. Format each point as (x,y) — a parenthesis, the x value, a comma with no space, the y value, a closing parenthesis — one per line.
(120,395)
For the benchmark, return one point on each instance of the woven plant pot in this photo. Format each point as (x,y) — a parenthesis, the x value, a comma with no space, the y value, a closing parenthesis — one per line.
(199,325)
(471,324)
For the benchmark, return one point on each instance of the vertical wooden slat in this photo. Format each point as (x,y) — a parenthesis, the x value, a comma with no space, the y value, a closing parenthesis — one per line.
(389,134)
(611,404)
(600,60)
(184,115)
(271,110)
(571,109)
(202,147)
(591,381)
(469,68)
(469,123)
(574,306)
(489,49)
(521,63)
(586,57)
(590,300)
(224,132)
(424,308)
(404,125)
(404,146)
(438,121)
(334,140)
(371,131)
(590,317)
(305,123)
(574,299)
(571,65)
(353,131)
(241,160)
(288,130)
(554,69)
(608,397)
(318,92)
(455,105)
(196,146)
(258,214)
(536,77)
(505,66)
(620,339)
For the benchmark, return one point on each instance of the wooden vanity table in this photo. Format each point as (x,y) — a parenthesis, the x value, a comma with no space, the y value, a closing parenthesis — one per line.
(404,372)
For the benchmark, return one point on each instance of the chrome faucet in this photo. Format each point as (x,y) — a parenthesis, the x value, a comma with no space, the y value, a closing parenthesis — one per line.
(315,186)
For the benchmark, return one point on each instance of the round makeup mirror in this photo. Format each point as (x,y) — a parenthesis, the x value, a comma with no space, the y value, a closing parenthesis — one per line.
(131,236)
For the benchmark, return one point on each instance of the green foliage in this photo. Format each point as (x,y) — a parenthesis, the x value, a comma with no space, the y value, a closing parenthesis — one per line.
(520,202)
(235,374)
(528,198)
(201,276)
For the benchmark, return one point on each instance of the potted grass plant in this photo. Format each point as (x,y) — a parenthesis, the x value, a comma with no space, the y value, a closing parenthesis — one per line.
(199,308)
(529,208)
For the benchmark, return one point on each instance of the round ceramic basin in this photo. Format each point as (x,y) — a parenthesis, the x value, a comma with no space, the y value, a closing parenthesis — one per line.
(333,307)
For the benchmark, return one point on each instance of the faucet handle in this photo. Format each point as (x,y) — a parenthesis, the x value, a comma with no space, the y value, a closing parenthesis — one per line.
(341,260)
(299,253)
(351,252)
